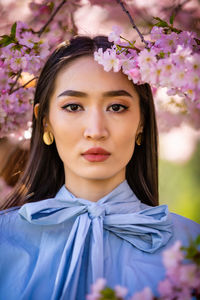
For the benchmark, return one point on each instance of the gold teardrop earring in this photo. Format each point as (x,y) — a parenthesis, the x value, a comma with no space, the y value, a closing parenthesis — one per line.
(48,137)
(139,139)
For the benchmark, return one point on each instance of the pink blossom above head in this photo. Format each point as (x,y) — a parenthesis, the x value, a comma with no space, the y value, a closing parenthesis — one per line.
(111,61)
(156,33)
(4,80)
(181,55)
(179,76)
(165,76)
(193,80)
(43,49)
(186,38)
(21,26)
(134,75)
(169,42)
(193,62)
(114,36)
(18,63)
(192,94)
(98,56)
(146,57)
(28,39)
(127,64)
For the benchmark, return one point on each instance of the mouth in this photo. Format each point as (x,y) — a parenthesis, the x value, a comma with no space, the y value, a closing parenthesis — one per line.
(96,154)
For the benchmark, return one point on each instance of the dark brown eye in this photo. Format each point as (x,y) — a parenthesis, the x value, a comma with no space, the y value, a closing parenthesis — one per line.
(73,107)
(118,107)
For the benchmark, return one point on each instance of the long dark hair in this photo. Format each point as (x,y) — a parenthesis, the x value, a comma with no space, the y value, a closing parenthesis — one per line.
(44,172)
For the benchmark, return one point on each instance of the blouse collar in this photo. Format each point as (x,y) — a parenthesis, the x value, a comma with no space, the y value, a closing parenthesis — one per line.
(121,212)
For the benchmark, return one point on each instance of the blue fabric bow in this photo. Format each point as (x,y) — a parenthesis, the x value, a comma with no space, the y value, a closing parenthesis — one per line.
(146,228)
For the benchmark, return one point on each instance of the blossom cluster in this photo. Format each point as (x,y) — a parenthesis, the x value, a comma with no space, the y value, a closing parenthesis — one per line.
(21,57)
(182,278)
(169,60)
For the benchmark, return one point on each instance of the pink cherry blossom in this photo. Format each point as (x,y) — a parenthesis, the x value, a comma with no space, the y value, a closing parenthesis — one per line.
(28,39)
(172,256)
(165,288)
(114,36)
(156,33)
(134,75)
(109,61)
(146,57)
(145,294)
(96,289)
(188,276)
(120,291)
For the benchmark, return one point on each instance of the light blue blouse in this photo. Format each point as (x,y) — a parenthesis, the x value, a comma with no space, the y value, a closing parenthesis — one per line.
(56,248)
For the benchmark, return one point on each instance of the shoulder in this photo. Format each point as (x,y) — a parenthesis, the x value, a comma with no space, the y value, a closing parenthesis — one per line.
(184,229)
(8,215)
(8,219)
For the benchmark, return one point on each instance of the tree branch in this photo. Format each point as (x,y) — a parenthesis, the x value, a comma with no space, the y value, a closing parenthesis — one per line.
(132,22)
(24,85)
(51,18)
(12,87)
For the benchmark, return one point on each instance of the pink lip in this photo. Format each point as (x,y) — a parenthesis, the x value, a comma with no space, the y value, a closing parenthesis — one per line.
(96,154)
(96,150)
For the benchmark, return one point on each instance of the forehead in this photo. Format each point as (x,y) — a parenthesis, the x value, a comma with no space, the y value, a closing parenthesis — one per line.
(85,74)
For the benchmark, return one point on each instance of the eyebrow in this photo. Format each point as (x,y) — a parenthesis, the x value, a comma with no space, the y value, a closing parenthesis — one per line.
(79,94)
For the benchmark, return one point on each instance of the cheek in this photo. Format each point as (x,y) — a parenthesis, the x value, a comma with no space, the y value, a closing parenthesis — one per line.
(63,132)
(126,139)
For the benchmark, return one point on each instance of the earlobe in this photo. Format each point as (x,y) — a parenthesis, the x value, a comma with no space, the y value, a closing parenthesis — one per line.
(36,109)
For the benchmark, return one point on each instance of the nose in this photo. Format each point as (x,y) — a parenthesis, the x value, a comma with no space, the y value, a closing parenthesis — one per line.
(95,125)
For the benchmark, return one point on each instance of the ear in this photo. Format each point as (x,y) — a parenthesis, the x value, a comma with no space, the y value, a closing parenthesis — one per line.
(36,109)
(140,127)
(46,124)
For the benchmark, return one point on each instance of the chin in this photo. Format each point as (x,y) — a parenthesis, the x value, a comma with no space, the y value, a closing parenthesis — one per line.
(99,175)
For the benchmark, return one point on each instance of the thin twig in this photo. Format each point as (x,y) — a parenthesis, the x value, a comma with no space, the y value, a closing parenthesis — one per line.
(51,18)
(24,85)
(132,22)
(13,85)
(12,90)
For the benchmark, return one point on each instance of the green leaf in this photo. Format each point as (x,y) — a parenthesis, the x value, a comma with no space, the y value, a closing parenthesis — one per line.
(17,47)
(197,41)
(160,23)
(6,40)
(13,30)
(51,5)
(108,293)
(162,54)
(171,20)
(197,241)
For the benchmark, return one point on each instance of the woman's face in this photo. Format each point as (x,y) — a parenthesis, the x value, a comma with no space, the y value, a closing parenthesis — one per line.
(93,108)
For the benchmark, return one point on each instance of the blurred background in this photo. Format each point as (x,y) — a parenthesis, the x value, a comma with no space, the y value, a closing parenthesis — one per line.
(179,135)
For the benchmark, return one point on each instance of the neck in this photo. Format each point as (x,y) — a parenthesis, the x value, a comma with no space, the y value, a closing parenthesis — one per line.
(92,189)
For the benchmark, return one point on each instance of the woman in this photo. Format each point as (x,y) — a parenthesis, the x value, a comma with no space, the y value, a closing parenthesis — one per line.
(87,204)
